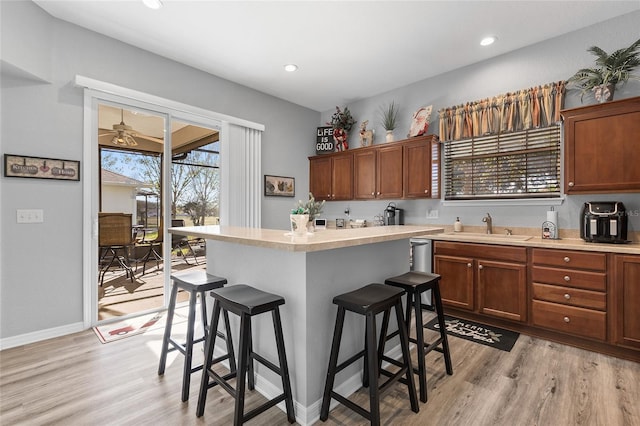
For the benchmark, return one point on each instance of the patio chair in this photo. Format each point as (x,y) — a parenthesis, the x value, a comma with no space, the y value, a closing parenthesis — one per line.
(114,240)
(178,242)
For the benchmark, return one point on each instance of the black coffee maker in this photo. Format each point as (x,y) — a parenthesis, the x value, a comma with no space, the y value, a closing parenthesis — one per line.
(393,215)
(604,222)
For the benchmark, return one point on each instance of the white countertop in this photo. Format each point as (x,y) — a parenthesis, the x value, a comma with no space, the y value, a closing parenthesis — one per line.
(325,239)
(564,244)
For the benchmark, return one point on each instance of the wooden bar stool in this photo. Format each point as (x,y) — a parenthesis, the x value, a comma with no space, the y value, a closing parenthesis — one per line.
(415,283)
(195,282)
(246,302)
(369,301)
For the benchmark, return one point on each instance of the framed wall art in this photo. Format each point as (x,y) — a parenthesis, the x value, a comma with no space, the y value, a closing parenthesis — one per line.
(41,168)
(279,186)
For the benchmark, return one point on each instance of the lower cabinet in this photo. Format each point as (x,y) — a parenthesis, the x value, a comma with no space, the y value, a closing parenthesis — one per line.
(486,279)
(626,291)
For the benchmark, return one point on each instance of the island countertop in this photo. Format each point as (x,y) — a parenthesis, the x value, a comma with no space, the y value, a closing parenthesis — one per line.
(325,239)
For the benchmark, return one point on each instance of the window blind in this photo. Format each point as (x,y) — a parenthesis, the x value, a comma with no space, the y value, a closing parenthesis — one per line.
(524,164)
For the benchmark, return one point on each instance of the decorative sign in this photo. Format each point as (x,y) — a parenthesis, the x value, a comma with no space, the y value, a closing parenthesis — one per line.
(324,140)
(41,168)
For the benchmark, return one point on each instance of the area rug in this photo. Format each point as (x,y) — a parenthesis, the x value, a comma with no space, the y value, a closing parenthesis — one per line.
(114,331)
(487,335)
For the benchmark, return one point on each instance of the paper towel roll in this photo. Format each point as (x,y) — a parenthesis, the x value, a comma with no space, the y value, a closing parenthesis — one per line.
(552,216)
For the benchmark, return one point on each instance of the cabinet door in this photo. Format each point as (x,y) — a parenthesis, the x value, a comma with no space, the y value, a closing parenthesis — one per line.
(389,172)
(626,293)
(342,177)
(364,179)
(417,169)
(502,289)
(320,178)
(456,284)
(600,152)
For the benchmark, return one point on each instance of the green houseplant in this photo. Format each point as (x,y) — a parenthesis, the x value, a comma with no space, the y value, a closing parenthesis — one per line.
(342,122)
(389,119)
(610,70)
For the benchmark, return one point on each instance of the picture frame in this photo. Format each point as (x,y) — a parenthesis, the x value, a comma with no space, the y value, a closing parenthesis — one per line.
(22,166)
(279,186)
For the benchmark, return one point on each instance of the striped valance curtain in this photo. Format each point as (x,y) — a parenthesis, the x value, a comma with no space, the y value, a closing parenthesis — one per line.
(525,109)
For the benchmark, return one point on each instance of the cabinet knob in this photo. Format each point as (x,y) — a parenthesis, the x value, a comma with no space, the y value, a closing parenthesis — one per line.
(567,296)
(373,193)
(468,265)
(480,267)
(567,319)
(567,259)
(571,184)
(567,278)
(378,192)
(426,191)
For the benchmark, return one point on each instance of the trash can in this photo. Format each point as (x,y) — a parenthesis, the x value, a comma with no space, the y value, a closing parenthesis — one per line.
(421,262)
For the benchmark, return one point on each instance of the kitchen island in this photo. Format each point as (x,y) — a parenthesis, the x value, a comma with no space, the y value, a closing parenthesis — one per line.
(308,272)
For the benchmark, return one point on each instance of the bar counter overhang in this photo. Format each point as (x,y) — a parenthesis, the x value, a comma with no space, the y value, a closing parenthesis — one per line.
(308,272)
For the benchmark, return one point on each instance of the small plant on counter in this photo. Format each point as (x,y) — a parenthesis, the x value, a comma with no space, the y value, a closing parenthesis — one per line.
(311,207)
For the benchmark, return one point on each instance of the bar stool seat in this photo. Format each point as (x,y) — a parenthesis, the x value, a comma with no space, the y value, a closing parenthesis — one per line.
(369,301)
(246,302)
(415,283)
(196,283)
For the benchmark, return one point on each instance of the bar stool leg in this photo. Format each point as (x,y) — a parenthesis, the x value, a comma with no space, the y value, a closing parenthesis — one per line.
(333,361)
(284,367)
(188,355)
(250,373)
(404,341)
(443,330)
(208,356)
(422,373)
(230,352)
(245,330)
(372,355)
(167,329)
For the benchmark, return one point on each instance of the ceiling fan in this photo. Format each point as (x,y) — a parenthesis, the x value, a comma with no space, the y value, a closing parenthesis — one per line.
(124,135)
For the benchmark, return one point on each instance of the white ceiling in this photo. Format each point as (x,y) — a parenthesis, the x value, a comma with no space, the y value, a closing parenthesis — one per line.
(345,51)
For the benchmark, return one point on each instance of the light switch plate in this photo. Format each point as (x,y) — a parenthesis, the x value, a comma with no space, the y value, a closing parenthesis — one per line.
(432,214)
(30,216)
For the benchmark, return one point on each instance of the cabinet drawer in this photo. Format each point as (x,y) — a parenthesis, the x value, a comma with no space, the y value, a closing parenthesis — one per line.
(571,259)
(570,278)
(570,296)
(570,319)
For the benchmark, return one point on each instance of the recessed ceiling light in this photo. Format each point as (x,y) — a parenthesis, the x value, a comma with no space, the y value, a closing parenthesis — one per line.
(488,40)
(153,4)
(290,67)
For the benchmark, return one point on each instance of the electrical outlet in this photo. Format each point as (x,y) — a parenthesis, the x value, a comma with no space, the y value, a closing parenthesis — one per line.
(30,216)
(432,214)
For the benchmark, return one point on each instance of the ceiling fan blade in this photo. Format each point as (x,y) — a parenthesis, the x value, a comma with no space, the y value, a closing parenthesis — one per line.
(149,138)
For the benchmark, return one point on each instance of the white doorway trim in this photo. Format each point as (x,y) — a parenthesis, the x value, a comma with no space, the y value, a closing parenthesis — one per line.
(96,92)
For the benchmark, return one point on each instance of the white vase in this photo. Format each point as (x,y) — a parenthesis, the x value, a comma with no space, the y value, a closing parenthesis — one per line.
(299,224)
(389,136)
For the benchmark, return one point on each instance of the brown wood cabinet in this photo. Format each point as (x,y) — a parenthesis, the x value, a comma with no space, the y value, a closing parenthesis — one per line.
(403,169)
(601,147)
(378,172)
(569,292)
(487,279)
(331,176)
(626,294)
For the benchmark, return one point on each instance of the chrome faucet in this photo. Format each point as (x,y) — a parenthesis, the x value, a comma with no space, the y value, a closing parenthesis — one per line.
(487,220)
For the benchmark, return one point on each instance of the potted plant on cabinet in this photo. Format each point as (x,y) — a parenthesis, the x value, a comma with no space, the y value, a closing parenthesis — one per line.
(342,122)
(611,69)
(389,119)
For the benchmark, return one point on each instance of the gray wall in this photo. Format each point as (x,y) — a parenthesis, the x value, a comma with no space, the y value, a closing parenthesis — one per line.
(551,60)
(42,115)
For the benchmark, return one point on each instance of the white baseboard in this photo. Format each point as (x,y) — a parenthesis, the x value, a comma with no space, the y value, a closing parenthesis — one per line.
(37,336)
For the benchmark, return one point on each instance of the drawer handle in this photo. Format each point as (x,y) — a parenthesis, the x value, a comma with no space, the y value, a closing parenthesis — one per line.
(567,319)
(567,278)
(567,259)
(567,296)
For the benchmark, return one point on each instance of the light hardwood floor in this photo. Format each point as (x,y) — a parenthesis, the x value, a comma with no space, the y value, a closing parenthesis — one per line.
(76,380)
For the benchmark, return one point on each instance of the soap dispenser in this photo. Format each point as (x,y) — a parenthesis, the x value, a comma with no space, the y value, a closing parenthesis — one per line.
(457,225)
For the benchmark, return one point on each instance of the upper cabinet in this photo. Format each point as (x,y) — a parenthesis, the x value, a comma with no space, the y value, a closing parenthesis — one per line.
(403,169)
(331,176)
(601,147)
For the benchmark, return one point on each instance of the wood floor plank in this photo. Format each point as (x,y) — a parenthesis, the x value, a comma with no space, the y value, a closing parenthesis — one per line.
(76,380)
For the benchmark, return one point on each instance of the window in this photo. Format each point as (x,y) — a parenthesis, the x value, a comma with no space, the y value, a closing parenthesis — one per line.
(524,164)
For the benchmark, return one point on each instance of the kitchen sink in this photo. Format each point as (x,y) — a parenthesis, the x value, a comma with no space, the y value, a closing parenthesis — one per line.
(482,236)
